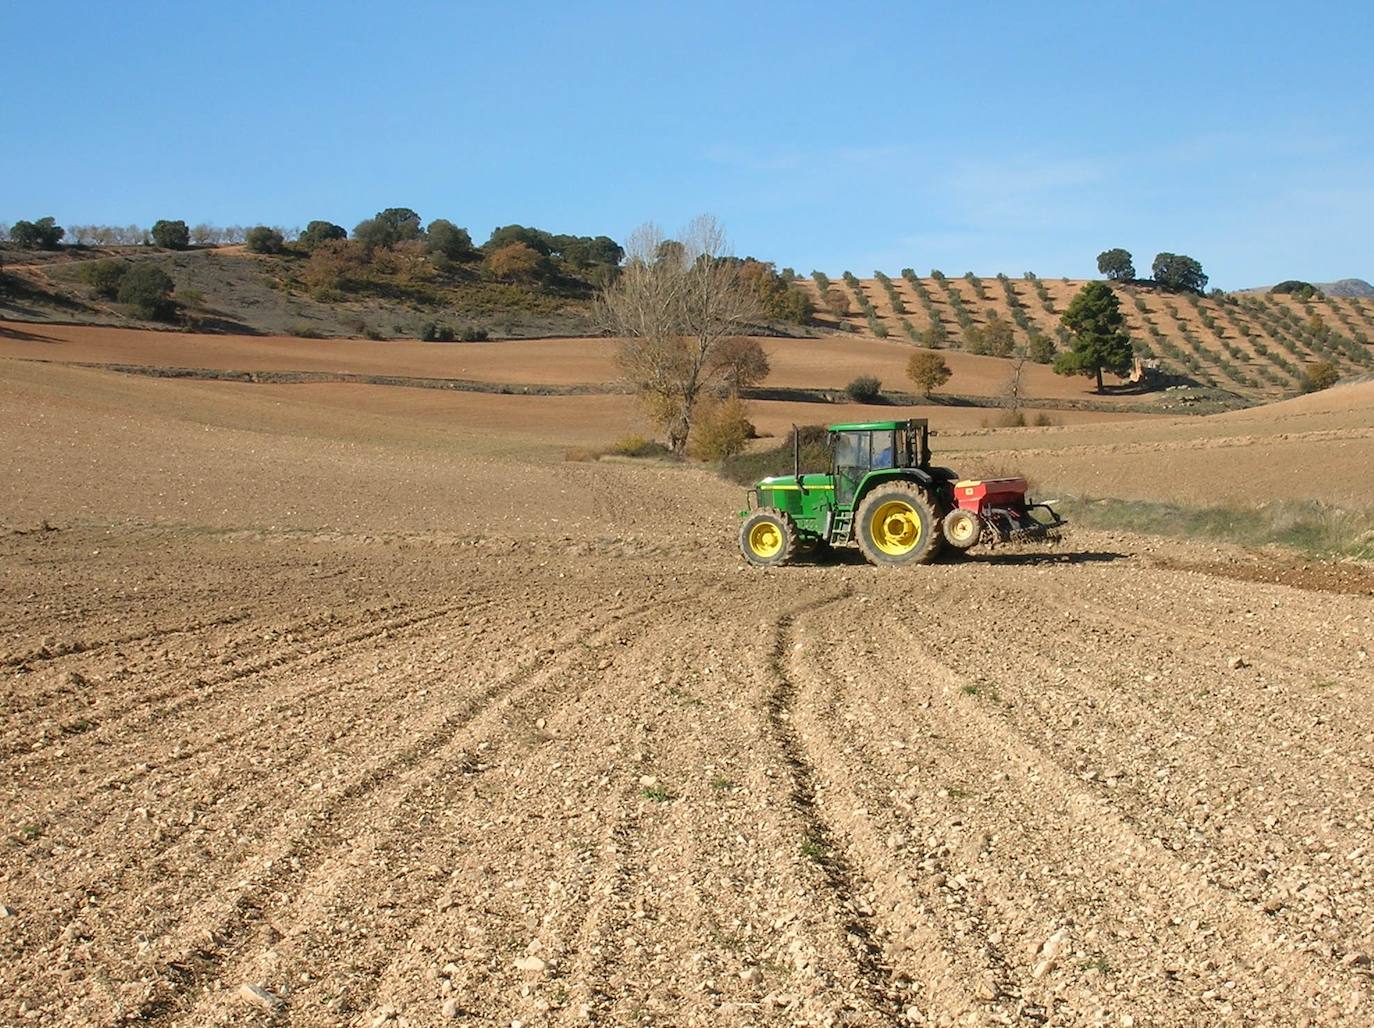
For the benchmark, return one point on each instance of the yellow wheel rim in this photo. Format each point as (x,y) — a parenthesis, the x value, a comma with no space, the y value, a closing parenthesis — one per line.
(896,528)
(765,539)
(962,529)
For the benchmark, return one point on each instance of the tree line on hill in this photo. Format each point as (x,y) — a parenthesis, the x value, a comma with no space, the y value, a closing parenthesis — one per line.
(392,253)
(1178,273)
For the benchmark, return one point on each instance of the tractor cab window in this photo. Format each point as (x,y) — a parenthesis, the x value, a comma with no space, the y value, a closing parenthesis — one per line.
(857,453)
(884,450)
(851,450)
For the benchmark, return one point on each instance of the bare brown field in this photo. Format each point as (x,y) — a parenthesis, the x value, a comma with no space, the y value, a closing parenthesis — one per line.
(1317,447)
(363,698)
(797,363)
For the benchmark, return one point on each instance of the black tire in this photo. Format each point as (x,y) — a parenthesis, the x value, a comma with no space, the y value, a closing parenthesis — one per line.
(896,524)
(962,529)
(768,538)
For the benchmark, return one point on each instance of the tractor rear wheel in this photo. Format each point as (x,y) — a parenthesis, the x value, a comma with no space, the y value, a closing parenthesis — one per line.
(896,524)
(962,528)
(768,538)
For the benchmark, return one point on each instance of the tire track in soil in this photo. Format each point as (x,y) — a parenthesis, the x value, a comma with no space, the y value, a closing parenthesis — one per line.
(1304,975)
(612,881)
(314,653)
(84,647)
(172,834)
(968,951)
(33,706)
(961,967)
(841,876)
(1263,733)
(310,846)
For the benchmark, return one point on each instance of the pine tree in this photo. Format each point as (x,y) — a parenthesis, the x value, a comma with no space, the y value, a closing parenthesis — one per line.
(1099,342)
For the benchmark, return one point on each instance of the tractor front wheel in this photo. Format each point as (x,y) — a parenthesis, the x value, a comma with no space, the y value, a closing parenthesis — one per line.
(962,528)
(768,538)
(896,524)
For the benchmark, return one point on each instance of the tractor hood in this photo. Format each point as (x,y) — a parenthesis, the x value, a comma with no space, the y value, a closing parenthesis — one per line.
(789,482)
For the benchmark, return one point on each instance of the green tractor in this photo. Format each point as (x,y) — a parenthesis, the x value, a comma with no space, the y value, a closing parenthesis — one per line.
(883,493)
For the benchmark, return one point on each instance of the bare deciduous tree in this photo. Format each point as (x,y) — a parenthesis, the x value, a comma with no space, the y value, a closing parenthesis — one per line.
(676,306)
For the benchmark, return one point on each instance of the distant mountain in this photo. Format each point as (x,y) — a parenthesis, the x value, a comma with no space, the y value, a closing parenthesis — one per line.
(1346,287)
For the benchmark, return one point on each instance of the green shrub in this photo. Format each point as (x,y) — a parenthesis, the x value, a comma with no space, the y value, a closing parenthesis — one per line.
(444,237)
(171,235)
(1040,348)
(639,446)
(147,289)
(318,232)
(105,277)
(934,335)
(1306,290)
(864,389)
(748,468)
(473,335)
(43,234)
(434,332)
(261,239)
(303,331)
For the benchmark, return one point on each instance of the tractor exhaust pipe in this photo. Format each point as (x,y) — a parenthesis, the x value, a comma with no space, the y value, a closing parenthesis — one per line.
(796,453)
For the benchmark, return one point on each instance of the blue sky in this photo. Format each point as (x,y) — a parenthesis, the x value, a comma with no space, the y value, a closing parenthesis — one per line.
(976,136)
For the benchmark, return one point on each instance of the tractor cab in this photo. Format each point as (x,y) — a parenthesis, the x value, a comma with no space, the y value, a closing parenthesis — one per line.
(858,449)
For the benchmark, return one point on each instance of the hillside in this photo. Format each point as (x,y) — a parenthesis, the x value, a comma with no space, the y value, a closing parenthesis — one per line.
(228,289)
(1256,346)
(1237,349)
(1347,287)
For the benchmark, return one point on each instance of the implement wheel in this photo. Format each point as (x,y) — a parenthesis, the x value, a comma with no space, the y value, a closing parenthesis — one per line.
(768,538)
(896,524)
(962,529)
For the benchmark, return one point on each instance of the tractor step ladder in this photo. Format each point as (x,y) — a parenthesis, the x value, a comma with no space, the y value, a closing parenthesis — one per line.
(842,527)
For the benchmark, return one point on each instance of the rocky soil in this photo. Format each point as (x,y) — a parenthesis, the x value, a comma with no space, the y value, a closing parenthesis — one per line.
(320,708)
(268,779)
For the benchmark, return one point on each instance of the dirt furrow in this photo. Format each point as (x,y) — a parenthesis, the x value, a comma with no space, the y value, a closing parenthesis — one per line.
(241,819)
(129,718)
(311,866)
(1134,740)
(1103,848)
(56,650)
(822,843)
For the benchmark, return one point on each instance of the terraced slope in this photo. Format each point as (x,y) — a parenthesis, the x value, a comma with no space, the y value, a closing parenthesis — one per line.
(1255,345)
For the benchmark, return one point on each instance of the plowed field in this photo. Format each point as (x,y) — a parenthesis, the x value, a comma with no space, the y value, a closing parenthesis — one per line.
(322,713)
